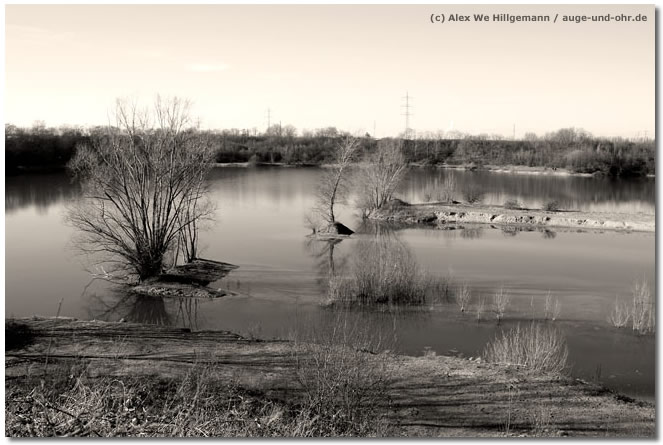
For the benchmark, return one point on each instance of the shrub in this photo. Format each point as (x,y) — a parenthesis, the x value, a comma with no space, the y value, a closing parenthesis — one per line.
(551,206)
(501,300)
(463,296)
(512,204)
(448,191)
(539,347)
(552,308)
(342,368)
(620,314)
(383,272)
(474,195)
(643,314)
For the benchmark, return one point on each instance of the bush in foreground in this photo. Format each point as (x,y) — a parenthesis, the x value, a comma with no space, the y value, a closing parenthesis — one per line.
(536,346)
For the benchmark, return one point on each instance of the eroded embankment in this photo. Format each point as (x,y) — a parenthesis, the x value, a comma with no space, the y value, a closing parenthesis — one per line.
(440,214)
(432,395)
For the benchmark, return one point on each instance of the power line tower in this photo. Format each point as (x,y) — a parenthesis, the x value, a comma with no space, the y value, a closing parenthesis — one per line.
(269,118)
(407,113)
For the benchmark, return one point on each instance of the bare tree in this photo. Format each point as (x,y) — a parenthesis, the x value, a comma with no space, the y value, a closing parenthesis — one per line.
(143,180)
(383,174)
(332,188)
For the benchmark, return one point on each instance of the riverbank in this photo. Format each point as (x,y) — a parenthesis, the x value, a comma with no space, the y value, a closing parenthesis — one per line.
(508,169)
(437,214)
(263,386)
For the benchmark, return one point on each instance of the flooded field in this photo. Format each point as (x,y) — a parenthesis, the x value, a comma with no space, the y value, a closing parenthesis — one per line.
(280,285)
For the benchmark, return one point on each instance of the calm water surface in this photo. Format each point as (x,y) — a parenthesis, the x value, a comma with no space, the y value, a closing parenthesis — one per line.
(260,226)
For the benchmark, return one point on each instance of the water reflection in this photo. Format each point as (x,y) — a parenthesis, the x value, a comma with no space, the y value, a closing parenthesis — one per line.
(582,193)
(38,190)
(118,303)
(270,187)
(322,253)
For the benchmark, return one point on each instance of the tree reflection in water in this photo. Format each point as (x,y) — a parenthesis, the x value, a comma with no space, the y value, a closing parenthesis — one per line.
(117,303)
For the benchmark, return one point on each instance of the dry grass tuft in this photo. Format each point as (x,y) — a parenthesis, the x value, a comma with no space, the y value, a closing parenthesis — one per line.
(536,346)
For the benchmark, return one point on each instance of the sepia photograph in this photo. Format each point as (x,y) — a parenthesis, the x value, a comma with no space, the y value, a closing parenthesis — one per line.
(330,220)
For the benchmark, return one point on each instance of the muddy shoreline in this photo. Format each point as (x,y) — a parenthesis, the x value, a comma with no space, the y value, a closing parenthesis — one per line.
(429,396)
(441,214)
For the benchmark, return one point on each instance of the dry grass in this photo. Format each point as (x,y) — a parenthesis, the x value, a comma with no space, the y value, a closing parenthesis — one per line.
(343,392)
(195,405)
(463,296)
(536,346)
(501,300)
(552,307)
(620,315)
(480,308)
(448,191)
(342,368)
(643,313)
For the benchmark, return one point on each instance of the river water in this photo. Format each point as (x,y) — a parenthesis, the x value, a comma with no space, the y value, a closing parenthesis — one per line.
(260,225)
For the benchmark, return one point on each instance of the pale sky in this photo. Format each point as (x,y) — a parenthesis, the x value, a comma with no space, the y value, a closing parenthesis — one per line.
(337,65)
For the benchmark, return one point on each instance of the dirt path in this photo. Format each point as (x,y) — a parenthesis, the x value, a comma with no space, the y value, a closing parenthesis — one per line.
(433,395)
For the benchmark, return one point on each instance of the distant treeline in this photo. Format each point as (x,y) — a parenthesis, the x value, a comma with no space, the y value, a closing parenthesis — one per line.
(39,147)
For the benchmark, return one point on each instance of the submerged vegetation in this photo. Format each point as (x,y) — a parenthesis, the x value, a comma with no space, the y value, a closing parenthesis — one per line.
(641,312)
(384,271)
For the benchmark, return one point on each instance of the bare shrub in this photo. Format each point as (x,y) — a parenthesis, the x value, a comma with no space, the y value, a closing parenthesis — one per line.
(620,314)
(512,204)
(443,287)
(501,300)
(481,305)
(383,272)
(448,191)
(342,368)
(643,312)
(463,296)
(541,420)
(536,346)
(385,170)
(551,206)
(474,195)
(552,307)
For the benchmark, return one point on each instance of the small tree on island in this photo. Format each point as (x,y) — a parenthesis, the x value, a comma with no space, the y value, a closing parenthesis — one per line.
(386,168)
(143,183)
(332,188)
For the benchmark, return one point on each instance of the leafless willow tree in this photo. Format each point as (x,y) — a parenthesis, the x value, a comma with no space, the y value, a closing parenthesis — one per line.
(333,187)
(143,182)
(383,174)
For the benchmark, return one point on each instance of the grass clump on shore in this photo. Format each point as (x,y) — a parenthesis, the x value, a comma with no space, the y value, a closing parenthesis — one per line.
(536,346)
